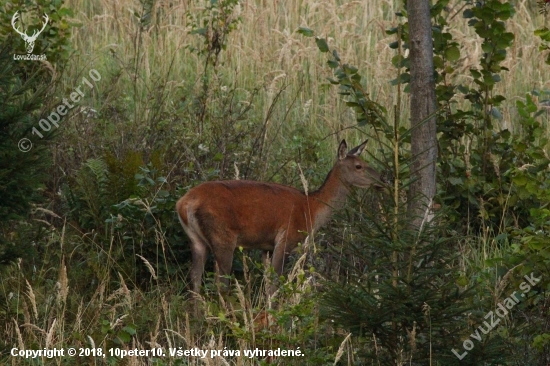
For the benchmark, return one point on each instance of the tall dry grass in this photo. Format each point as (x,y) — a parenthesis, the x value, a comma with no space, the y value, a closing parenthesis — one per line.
(109,312)
(266,50)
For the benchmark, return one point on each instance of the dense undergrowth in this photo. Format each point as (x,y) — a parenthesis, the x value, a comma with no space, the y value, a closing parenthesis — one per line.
(93,256)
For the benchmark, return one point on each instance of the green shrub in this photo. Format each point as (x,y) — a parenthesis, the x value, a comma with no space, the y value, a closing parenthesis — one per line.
(22,172)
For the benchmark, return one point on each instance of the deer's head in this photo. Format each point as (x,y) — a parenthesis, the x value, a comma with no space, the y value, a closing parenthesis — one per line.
(355,172)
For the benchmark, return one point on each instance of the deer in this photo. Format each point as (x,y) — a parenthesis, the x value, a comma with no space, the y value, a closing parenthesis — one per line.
(29,40)
(220,216)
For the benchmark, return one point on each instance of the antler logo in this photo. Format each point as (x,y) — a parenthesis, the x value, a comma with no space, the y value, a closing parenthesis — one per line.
(29,41)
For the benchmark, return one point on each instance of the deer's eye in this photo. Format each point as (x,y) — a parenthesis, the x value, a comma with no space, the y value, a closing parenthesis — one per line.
(358,166)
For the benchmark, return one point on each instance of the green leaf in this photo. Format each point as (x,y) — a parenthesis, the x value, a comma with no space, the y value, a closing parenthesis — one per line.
(403,79)
(438,62)
(521,108)
(397,60)
(349,69)
(332,64)
(130,329)
(455,181)
(124,336)
(488,79)
(452,53)
(362,121)
(543,33)
(487,47)
(462,281)
(392,30)
(468,13)
(64,12)
(463,89)
(497,99)
(505,134)
(496,113)
(305,32)
(201,31)
(322,44)
(531,106)
(520,147)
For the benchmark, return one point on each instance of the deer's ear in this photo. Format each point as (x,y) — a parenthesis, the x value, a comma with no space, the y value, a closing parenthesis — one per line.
(356,151)
(342,150)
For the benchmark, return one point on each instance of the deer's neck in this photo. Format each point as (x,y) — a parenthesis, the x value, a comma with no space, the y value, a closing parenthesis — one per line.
(331,196)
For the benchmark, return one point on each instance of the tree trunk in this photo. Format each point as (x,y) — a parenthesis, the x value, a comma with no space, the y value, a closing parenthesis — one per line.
(423,104)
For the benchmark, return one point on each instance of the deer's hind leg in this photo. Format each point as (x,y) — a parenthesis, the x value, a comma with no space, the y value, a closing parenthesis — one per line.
(200,247)
(199,254)
(222,242)
(223,248)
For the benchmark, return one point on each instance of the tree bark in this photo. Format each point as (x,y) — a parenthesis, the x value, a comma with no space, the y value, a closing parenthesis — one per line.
(423,105)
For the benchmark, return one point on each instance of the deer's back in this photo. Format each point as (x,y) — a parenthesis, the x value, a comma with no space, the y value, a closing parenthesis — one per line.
(256,211)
